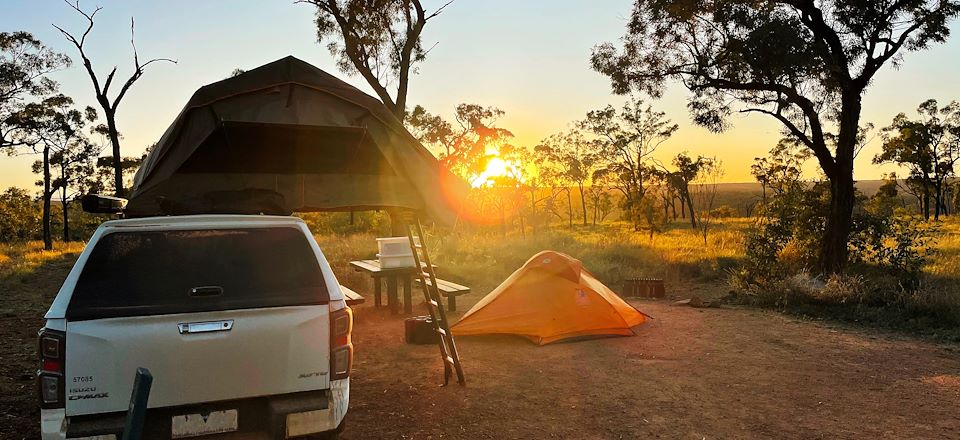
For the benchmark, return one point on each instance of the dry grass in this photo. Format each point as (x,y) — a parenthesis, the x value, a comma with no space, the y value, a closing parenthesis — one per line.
(612,252)
(23,258)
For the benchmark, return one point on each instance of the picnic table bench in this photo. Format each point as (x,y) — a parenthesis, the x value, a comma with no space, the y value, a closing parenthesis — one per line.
(352,298)
(451,291)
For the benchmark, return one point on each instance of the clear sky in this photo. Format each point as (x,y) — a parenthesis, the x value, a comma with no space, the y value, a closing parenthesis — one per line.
(530,58)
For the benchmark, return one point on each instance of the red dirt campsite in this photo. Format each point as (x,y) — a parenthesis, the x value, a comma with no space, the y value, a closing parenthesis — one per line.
(688,373)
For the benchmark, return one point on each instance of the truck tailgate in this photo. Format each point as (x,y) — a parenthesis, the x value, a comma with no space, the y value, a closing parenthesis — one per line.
(247,353)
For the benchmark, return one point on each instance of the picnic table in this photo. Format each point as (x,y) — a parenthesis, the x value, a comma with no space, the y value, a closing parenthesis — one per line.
(394,276)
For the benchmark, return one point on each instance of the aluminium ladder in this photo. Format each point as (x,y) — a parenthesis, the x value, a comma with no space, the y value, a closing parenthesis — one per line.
(428,282)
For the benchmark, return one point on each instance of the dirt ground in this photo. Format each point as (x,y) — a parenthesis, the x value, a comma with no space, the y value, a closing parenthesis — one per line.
(688,373)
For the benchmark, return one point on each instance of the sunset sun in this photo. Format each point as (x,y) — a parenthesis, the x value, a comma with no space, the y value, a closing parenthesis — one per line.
(496,167)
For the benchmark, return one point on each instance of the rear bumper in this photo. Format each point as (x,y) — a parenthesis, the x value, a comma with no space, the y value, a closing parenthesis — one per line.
(282,416)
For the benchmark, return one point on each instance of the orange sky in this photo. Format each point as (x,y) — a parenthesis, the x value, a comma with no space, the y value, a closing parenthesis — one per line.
(528,58)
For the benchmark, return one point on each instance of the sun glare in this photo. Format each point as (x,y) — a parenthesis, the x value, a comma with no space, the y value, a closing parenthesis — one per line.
(496,167)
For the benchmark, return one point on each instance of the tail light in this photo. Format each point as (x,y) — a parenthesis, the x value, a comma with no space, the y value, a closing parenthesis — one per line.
(50,382)
(341,347)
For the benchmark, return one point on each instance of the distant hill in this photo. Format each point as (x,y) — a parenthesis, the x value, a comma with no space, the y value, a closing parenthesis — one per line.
(742,196)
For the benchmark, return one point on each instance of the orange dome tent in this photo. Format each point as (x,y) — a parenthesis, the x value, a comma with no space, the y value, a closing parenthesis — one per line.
(552,297)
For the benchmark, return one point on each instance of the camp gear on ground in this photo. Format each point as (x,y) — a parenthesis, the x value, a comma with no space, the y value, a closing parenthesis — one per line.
(419,330)
(550,298)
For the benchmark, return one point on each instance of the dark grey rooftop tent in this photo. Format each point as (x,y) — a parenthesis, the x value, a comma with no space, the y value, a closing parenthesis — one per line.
(288,137)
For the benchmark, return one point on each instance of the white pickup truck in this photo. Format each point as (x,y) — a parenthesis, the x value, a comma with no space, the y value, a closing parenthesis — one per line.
(239,318)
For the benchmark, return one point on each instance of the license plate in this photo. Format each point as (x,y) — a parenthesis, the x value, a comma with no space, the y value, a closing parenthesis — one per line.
(192,425)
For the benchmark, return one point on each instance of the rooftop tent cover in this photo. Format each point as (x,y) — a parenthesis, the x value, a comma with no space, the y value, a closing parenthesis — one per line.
(289,137)
(550,298)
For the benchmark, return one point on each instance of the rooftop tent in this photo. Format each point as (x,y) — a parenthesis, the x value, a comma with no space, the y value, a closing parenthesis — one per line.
(550,298)
(288,137)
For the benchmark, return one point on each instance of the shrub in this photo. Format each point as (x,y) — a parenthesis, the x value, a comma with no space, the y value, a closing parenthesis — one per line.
(724,211)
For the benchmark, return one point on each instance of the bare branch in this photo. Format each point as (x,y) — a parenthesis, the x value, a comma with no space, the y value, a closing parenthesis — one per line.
(438,11)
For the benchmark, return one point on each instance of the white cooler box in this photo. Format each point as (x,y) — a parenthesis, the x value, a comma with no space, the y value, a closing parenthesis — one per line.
(395,252)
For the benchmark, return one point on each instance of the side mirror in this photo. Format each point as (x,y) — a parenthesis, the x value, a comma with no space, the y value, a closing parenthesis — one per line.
(100,204)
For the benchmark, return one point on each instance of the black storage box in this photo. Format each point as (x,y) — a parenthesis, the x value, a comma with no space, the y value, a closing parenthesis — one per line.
(419,330)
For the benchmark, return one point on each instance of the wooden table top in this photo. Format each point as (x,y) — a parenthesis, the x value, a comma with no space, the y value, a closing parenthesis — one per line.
(373,267)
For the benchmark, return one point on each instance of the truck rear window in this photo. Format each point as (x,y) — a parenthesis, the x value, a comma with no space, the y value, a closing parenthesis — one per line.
(164,272)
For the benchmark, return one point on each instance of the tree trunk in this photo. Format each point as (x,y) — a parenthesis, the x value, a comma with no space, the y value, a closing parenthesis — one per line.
(63,201)
(47,237)
(117,159)
(66,220)
(833,252)
(396,223)
(570,209)
(583,204)
(533,212)
(833,249)
(693,218)
(938,200)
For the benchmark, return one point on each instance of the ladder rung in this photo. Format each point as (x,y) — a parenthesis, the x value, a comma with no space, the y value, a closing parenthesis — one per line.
(441,331)
(450,360)
(434,303)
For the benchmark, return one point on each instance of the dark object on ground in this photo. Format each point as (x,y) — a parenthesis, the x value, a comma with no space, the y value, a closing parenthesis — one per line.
(694,301)
(643,288)
(420,330)
(451,291)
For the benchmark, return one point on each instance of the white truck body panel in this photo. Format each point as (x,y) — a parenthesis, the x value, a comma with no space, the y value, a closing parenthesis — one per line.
(267,351)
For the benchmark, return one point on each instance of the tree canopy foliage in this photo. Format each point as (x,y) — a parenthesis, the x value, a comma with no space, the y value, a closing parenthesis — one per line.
(379,39)
(24,64)
(929,147)
(805,63)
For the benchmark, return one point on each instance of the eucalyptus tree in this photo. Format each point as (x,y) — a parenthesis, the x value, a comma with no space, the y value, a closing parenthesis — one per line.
(625,141)
(929,147)
(804,63)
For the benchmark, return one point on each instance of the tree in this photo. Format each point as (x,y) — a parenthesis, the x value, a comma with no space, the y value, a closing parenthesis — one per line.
(782,169)
(24,64)
(463,148)
(706,184)
(804,63)
(887,198)
(599,198)
(625,141)
(688,169)
(75,166)
(51,127)
(575,158)
(102,92)
(929,147)
(379,39)
(19,216)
